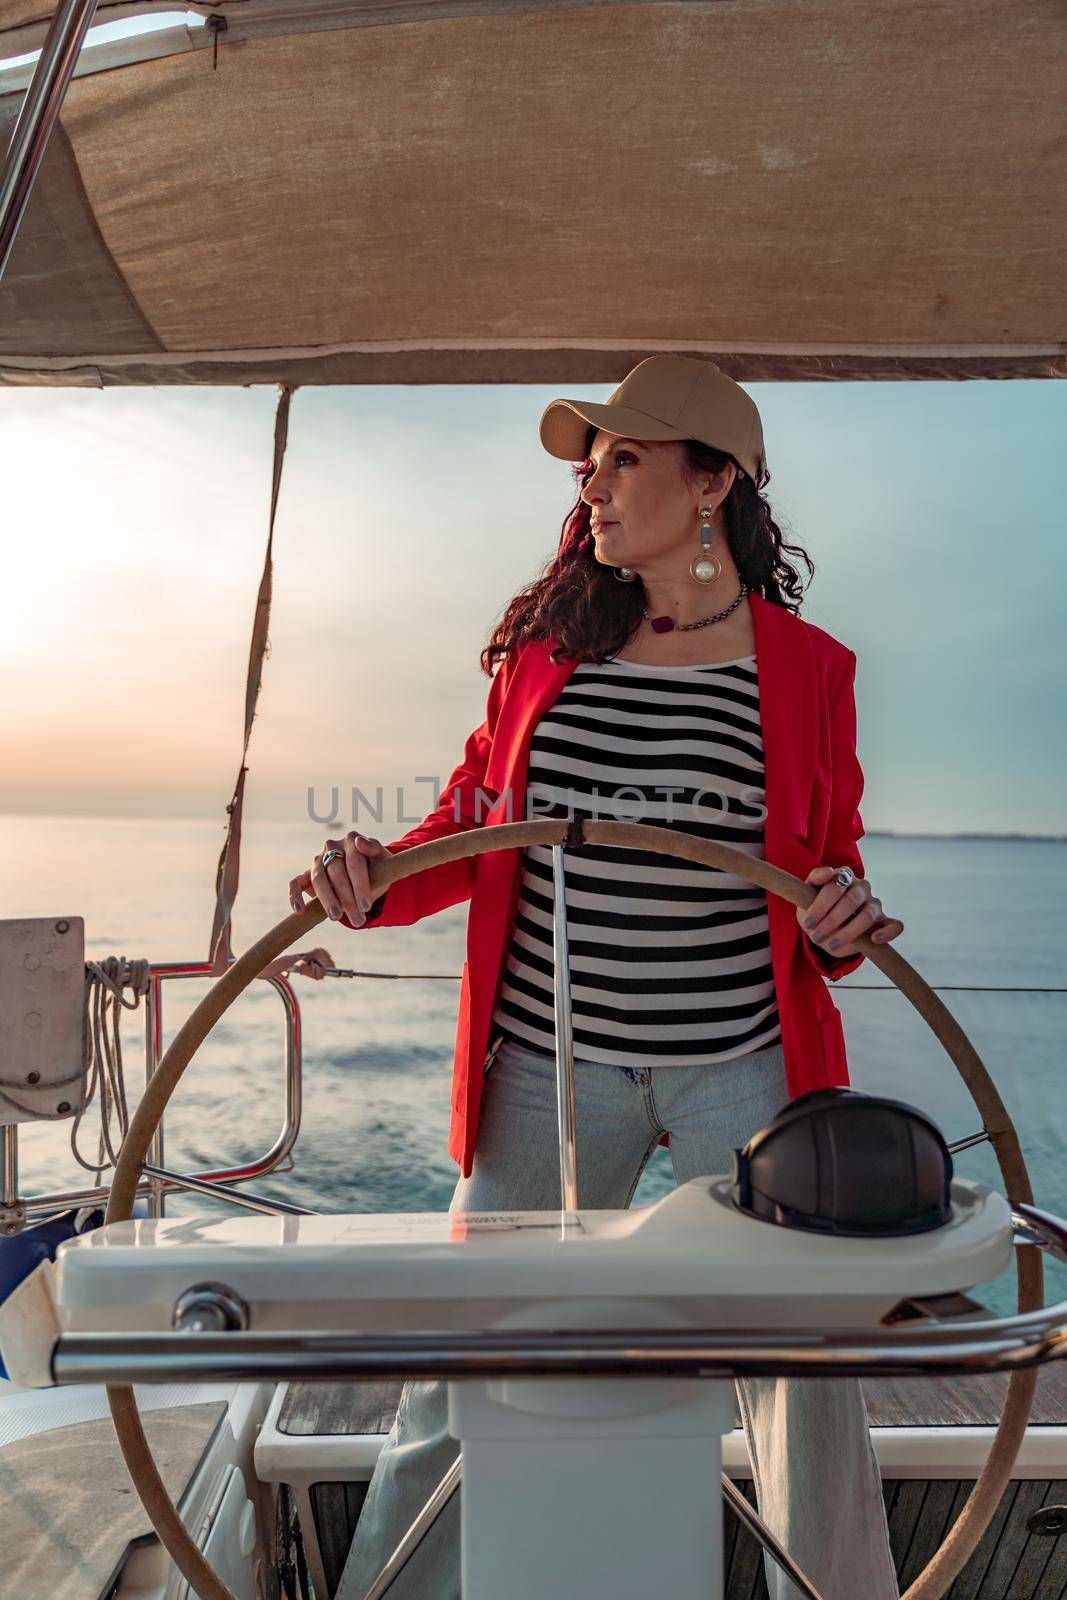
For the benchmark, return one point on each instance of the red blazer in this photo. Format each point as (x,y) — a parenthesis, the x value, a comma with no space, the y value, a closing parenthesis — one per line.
(813,786)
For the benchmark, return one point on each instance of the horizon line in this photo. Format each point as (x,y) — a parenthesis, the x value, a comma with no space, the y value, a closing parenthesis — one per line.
(278,822)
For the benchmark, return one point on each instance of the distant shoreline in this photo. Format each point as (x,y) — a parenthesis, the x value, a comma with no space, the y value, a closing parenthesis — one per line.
(1039,838)
(277,822)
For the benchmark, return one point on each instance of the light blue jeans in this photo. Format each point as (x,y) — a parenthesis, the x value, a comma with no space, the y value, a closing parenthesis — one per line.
(816,1475)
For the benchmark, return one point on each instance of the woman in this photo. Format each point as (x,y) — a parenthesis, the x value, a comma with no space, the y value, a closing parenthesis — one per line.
(699,1005)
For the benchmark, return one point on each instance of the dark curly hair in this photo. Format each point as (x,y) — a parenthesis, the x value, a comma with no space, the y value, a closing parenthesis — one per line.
(578,601)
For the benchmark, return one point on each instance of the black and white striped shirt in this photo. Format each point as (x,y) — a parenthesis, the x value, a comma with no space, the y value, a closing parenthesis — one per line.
(670,960)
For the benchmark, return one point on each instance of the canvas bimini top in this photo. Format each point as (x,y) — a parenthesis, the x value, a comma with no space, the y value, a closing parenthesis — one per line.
(545,191)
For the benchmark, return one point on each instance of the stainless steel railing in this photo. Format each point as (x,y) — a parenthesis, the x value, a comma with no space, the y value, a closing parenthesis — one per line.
(1001,1344)
(159,1179)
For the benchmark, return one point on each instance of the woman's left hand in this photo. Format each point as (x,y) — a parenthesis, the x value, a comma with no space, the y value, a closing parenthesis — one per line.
(837,915)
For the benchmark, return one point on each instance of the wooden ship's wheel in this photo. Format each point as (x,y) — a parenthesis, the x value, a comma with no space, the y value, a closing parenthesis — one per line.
(978,1511)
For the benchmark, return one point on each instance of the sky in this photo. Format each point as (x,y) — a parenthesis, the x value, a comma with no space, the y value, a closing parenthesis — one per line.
(135,523)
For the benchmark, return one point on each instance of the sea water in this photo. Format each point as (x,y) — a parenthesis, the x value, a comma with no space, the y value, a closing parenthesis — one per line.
(984,925)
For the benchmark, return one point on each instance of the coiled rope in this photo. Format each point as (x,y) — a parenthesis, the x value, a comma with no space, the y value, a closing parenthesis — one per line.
(100,1071)
(106,985)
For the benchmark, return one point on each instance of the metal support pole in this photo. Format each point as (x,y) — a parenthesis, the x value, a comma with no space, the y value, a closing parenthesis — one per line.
(967,1144)
(153,1024)
(9,1164)
(39,114)
(12,1211)
(421,1526)
(764,1537)
(222,1191)
(568,1152)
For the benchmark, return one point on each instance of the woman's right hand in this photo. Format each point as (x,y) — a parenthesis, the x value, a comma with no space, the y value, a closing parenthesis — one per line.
(343,886)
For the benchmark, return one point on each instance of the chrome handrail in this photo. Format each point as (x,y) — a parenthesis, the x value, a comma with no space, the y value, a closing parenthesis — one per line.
(159,1184)
(997,1345)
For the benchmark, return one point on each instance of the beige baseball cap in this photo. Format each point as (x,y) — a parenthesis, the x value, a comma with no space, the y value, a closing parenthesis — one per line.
(664,397)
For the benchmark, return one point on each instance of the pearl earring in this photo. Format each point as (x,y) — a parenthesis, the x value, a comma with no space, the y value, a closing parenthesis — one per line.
(704,568)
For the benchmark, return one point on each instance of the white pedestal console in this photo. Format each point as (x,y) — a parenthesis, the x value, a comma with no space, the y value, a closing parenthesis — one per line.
(575,1485)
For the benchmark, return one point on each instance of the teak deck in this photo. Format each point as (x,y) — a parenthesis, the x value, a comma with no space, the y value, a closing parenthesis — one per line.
(1013,1561)
(891,1403)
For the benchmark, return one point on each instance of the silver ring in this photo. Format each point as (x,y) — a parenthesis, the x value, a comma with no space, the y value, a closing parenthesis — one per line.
(333,855)
(845,877)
